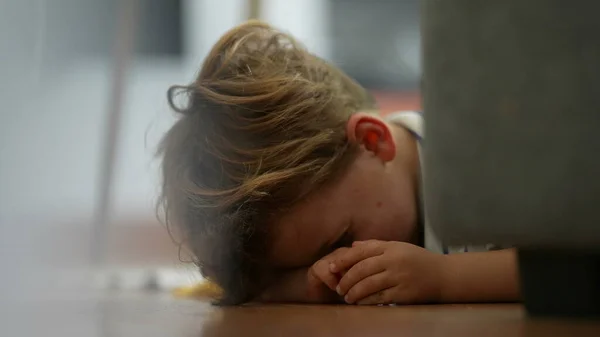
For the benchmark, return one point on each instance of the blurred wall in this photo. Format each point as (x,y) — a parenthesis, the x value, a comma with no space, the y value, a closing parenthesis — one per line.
(55,83)
(378,42)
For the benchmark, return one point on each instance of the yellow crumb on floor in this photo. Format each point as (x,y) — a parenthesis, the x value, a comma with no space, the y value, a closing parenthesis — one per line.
(203,289)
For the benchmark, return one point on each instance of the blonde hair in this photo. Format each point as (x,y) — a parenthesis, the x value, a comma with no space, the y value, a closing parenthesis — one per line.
(263,127)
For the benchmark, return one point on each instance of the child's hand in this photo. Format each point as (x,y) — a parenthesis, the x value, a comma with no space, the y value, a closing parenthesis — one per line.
(381,272)
(318,291)
(321,279)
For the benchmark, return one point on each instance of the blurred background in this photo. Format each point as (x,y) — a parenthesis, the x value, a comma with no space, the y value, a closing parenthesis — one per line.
(83,90)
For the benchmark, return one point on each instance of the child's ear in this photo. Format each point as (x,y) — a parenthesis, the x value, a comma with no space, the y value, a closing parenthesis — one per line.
(373,133)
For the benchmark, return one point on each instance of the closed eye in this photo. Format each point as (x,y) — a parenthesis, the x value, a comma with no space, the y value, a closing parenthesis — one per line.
(345,240)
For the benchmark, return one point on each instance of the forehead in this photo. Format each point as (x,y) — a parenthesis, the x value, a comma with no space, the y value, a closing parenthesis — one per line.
(300,234)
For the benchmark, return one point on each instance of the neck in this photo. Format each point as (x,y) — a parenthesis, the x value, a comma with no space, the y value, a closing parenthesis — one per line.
(408,162)
(407,154)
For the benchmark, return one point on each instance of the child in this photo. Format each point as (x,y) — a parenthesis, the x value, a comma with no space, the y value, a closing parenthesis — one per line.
(288,187)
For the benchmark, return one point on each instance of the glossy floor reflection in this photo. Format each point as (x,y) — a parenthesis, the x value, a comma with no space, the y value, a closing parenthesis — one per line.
(149,315)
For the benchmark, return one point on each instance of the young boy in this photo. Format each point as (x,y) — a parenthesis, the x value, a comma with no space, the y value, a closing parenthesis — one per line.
(286,186)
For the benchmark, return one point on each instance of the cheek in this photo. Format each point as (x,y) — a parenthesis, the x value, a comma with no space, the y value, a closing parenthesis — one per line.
(382,209)
(388,220)
(376,223)
(293,248)
(377,230)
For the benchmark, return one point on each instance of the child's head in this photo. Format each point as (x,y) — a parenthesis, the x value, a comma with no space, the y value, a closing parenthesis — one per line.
(266,125)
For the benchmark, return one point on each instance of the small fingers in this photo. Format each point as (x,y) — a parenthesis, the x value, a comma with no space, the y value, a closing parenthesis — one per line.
(320,271)
(356,253)
(367,287)
(385,296)
(358,272)
(367,242)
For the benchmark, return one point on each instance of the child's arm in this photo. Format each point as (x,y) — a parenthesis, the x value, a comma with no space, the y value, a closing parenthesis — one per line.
(397,272)
(480,277)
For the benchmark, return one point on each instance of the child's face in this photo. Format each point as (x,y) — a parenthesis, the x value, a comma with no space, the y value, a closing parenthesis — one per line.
(375,199)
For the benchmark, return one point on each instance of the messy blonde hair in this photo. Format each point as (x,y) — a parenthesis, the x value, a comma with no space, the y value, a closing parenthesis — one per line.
(263,126)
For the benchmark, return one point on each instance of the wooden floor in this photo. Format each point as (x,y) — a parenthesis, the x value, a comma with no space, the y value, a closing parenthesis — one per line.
(149,315)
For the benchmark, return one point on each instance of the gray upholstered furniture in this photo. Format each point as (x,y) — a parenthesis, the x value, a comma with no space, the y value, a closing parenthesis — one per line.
(512,103)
